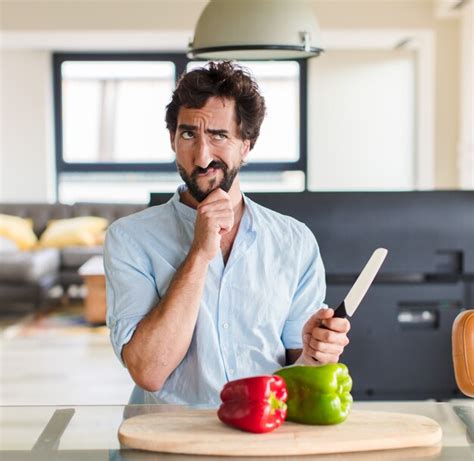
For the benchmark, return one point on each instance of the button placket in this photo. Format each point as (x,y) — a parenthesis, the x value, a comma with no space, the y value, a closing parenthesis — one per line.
(227,348)
(243,242)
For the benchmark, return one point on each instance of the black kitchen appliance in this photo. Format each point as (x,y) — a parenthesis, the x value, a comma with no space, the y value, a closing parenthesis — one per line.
(401,334)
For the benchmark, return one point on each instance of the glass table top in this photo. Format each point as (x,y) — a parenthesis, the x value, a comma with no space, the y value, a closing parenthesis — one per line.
(90,433)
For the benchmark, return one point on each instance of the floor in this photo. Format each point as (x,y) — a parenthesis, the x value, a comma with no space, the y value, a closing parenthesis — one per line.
(64,370)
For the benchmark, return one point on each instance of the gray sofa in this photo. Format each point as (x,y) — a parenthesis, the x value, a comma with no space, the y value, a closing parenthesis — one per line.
(27,277)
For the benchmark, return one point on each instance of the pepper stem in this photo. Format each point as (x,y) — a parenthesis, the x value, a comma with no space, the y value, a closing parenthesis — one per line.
(275,403)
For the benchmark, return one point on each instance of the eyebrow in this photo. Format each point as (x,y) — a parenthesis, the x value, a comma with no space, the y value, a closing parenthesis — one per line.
(184,127)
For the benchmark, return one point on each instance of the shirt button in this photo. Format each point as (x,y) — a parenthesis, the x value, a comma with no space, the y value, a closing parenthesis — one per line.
(225,325)
(231,371)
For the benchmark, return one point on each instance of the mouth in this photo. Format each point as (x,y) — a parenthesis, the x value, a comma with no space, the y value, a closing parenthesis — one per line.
(209,172)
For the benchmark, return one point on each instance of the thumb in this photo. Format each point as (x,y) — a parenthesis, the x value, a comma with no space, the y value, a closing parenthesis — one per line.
(315,319)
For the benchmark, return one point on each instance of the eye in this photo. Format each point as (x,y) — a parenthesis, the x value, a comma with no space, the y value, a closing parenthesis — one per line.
(187,134)
(219,136)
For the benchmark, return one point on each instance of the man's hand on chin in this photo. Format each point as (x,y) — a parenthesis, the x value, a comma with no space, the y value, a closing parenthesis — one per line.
(324,338)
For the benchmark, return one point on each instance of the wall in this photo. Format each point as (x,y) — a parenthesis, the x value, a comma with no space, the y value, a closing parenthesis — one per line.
(108,15)
(415,14)
(27,154)
(466,136)
(30,30)
(369,97)
(447,104)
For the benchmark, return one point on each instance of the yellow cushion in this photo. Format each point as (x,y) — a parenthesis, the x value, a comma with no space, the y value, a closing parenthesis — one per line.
(100,237)
(82,231)
(19,230)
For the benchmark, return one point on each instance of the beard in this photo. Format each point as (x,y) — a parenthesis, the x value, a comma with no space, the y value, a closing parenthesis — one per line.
(191,181)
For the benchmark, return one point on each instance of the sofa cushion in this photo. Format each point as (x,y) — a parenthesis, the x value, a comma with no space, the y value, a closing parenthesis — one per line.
(85,230)
(19,230)
(39,213)
(75,256)
(28,266)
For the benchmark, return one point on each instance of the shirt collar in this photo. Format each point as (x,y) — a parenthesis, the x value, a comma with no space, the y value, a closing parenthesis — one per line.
(249,213)
(183,210)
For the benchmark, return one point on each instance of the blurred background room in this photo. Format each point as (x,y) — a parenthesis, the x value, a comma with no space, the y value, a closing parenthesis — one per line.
(370,144)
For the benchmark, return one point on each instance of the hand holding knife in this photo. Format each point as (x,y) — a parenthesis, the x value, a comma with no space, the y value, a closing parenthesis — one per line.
(323,344)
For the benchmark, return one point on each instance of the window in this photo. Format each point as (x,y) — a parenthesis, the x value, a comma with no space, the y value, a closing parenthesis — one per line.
(110,128)
(111,111)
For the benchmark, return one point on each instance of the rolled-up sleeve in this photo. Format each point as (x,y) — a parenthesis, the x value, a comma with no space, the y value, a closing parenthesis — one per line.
(130,285)
(310,292)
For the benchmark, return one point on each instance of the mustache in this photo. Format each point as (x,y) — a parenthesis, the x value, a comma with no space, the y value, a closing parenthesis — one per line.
(215,165)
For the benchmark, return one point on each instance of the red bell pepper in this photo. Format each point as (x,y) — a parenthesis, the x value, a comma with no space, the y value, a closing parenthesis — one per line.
(254,404)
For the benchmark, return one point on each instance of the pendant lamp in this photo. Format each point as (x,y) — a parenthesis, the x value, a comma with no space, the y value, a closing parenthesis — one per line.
(256,30)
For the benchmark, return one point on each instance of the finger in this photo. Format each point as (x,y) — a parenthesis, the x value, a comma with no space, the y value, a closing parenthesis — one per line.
(323,313)
(328,336)
(320,355)
(328,348)
(212,214)
(313,345)
(216,223)
(337,324)
(216,194)
(316,318)
(224,228)
(218,214)
(225,225)
(209,211)
(308,350)
(215,205)
(212,207)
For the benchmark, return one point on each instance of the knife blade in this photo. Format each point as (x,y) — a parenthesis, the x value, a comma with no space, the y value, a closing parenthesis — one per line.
(361,285)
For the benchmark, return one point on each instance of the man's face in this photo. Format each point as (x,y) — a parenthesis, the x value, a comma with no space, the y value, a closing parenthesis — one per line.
(209,151)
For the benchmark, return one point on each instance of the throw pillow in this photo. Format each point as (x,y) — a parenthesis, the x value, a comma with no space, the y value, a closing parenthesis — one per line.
(19,230)
(81,231)
(100,237)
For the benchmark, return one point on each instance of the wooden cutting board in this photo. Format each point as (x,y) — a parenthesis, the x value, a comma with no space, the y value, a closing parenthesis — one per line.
(200,432)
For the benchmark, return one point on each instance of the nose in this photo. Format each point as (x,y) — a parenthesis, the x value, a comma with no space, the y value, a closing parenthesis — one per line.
(202,154)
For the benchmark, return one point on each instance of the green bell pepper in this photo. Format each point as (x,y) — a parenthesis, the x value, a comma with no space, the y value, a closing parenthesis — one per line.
(317,394)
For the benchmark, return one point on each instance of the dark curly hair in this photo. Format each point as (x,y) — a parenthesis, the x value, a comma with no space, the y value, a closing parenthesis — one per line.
(225,80)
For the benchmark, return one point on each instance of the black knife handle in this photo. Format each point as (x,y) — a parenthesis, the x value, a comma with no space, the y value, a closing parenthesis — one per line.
(340,311)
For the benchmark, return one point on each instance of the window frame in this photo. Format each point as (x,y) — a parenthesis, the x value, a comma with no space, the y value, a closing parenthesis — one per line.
(180,60)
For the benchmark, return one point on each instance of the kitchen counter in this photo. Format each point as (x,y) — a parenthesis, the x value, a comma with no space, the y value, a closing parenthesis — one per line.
(89,433)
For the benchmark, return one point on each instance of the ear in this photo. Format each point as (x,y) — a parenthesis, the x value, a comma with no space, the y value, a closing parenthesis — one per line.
(245,149)
(172,136)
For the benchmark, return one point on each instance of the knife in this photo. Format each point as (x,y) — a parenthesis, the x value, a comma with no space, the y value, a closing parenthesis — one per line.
(361,285)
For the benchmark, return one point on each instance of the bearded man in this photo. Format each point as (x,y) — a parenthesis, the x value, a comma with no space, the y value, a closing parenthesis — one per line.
(212,287)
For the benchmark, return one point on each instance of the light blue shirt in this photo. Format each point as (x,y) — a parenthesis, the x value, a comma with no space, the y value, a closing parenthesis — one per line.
(252,308)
